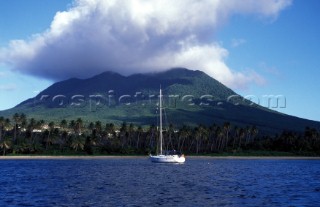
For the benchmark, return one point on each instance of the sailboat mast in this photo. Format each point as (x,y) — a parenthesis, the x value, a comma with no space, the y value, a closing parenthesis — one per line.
(160,107)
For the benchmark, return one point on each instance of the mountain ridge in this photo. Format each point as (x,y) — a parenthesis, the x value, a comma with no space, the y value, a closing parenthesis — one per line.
(192,98)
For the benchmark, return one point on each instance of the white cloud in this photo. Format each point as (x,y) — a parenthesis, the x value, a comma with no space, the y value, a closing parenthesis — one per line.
(129,36)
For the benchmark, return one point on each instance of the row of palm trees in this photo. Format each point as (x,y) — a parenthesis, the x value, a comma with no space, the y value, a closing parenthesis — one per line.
(20,135)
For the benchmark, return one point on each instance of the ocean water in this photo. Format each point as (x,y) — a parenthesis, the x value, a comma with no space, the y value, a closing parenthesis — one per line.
(138,182)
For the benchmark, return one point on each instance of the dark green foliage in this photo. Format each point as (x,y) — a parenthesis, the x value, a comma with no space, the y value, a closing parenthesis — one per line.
(88,145)
(32,136)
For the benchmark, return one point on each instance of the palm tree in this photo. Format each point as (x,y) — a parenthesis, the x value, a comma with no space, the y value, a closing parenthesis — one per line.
(2,123)
(200,135)
(123,134)
(236,135)
(72,125)
(241,136)
(50,138)
(79,125)
(197,137)
(77,142)
(205,136)
(170,134)
(40,124)
(16,119)
(63,124)
(139,132)
(226,127)
(35,147)
(254,132)
(219,135)
(152,136)
(63,133)
(184,133)
(110,130)
(131,132)
(5,144)
(248,133)
(98,125)
(62,139)
(31,126)
(91,128)
(23,120)
(6,127)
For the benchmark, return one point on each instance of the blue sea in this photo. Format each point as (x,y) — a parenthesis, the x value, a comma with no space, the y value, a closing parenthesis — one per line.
(138,182)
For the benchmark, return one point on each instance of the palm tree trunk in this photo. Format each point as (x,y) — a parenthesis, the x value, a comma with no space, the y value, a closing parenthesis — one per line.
(227,139)
(1,129)
(47,142)
(234,142)
(212,144)
(137,144)
(191,144)
(239,142)
(181,147)
(15,133)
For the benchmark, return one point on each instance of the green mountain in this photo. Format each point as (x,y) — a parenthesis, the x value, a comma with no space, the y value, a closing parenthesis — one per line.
(190,98)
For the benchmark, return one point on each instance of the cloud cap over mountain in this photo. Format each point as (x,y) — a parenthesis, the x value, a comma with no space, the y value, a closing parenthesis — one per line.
(136,36)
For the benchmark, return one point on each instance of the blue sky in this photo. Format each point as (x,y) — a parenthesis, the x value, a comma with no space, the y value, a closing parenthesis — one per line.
(285,52)
(21,19)
(256,50)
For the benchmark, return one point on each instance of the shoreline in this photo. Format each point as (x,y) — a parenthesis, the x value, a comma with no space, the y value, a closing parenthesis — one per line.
(52,157)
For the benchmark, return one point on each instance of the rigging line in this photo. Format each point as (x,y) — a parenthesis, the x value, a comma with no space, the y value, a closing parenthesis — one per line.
(157,130)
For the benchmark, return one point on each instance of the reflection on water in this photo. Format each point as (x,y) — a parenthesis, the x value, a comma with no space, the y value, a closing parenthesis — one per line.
(138,182)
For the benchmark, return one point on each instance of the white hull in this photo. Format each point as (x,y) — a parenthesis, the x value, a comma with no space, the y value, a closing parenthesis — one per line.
(168,158)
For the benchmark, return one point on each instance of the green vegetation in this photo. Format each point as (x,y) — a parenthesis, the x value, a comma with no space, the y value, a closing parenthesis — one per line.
(22,135)
(196,99)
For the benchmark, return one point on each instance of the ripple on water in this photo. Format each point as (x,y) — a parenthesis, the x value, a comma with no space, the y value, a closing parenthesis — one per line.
(138,182)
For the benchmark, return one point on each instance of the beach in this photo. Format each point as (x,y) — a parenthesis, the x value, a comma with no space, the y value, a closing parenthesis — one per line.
(28,157)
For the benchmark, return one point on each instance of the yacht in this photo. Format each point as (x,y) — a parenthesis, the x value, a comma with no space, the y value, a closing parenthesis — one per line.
(165,156)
